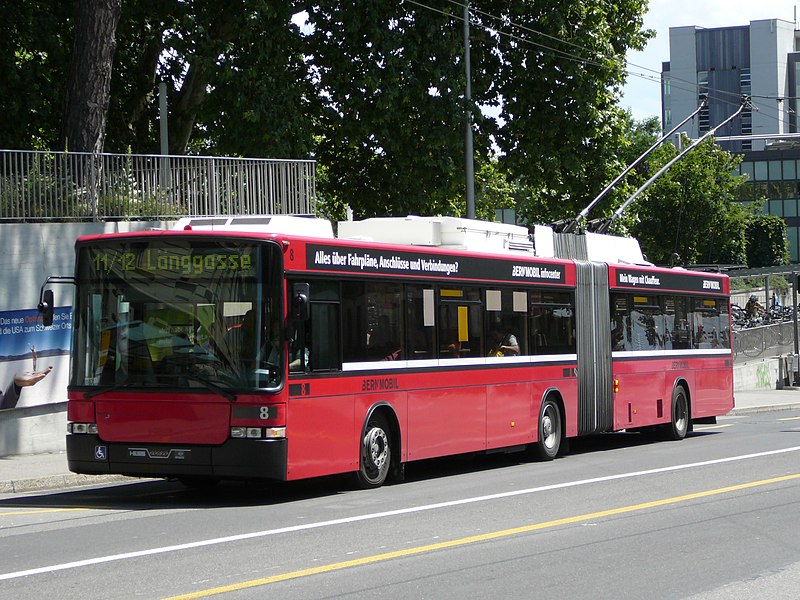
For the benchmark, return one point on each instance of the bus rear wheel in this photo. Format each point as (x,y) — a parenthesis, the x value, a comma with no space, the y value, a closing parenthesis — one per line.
(678,426)
(376,454)
(550,431)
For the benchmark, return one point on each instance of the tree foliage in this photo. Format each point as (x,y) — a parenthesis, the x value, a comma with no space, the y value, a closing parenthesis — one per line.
(374,91)
(691,210)
(767,244)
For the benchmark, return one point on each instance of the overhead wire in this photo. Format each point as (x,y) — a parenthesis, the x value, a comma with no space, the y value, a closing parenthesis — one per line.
(720,96)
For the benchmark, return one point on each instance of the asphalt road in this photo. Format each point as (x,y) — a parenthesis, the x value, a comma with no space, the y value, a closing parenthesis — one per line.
(712,517)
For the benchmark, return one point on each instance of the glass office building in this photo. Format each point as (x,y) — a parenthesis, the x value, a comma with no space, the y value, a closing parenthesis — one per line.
(760,60)
(775,175)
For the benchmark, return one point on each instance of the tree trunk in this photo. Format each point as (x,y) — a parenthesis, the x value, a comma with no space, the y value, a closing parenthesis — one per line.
(89,82)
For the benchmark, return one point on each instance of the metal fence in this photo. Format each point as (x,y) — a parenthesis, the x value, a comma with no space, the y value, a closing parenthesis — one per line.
(74,186)
(762,341)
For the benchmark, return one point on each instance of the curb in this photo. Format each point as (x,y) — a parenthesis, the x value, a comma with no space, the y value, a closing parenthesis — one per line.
(55,482)
(752,410)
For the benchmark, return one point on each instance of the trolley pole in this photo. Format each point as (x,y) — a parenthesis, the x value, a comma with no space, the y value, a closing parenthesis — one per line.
(469,167)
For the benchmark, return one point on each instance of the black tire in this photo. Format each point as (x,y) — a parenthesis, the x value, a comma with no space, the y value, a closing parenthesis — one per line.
(551,430)
(376,454)
(679,423)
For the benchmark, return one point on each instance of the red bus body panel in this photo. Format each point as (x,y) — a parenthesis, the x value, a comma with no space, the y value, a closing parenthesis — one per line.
(183,420)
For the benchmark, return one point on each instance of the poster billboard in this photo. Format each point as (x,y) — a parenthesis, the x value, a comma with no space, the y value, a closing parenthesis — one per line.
(34,359)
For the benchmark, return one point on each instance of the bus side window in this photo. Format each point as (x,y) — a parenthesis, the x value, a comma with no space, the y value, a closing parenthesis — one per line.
(315,343)
(420,307)
(323,339)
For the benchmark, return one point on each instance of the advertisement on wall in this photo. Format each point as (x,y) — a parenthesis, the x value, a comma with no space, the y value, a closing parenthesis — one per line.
(34,359)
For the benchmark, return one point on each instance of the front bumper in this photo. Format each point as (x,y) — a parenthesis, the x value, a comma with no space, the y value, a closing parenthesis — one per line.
(235,459)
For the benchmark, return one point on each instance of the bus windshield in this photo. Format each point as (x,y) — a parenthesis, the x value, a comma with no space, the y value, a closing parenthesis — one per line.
(177,313)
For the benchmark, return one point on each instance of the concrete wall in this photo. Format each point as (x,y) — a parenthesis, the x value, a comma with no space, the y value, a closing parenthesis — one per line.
(758,375)
(29,253)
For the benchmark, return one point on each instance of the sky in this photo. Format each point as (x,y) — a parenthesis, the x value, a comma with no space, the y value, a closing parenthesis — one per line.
(642,92)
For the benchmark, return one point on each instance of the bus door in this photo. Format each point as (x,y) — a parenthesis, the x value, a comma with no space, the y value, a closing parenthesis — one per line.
(593,337)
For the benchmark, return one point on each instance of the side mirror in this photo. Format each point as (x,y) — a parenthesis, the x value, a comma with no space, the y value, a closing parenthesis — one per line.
(301,309)
(46,307)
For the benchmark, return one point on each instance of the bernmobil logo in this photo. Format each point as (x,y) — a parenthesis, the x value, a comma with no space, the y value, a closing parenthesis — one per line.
(710,284)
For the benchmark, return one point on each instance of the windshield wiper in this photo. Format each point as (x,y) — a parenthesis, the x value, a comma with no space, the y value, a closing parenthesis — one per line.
(230,396)
(113,388)
(209,385)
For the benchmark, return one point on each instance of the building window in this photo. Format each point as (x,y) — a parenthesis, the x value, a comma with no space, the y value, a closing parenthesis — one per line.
(789,171)
(744,81)
(776,207)
(747,122)
(702,83)
(703,124)
(760,170)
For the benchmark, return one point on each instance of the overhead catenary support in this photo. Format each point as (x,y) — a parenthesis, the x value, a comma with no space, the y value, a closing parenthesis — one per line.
(604,224)
(469,168)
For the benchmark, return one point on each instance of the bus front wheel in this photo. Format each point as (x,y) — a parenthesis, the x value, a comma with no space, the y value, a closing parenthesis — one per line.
(376,454)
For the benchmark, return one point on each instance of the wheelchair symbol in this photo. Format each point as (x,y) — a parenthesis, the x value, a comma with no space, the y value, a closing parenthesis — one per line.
(100,452)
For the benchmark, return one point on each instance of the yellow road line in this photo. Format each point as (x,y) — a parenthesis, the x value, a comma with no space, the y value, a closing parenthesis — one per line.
(476,538)
(790,419)
(38,512)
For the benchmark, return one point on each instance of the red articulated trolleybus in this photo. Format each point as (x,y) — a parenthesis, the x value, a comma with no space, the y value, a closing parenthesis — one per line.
(266,348)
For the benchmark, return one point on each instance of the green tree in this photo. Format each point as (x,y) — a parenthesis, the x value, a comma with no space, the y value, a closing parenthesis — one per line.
(391,130)
(691,210)
(35,46)
(559,85)
(767,245)
(374,91)
(237,82)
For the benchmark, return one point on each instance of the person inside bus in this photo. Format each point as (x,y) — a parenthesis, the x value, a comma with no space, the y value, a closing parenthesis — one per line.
(453,350)
(504,344)
(299,354)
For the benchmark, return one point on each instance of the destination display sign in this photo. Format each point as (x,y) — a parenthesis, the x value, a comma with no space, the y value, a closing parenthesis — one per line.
(351,259)
(680,281)
(174,260)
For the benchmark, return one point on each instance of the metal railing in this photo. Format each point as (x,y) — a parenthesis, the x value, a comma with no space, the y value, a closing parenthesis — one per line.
(764,340)
(74,186)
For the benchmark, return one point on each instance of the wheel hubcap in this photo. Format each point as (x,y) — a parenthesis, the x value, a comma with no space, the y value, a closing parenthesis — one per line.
(377,444)
(548,428)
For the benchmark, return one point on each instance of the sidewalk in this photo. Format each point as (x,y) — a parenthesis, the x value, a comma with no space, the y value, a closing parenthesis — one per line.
(39,472)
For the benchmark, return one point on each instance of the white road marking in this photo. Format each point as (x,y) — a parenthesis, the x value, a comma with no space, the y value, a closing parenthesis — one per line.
(390,513)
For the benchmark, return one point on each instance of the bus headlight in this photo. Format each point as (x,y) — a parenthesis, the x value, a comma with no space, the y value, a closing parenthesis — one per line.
(275,432)
(257,433)
(82,428)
